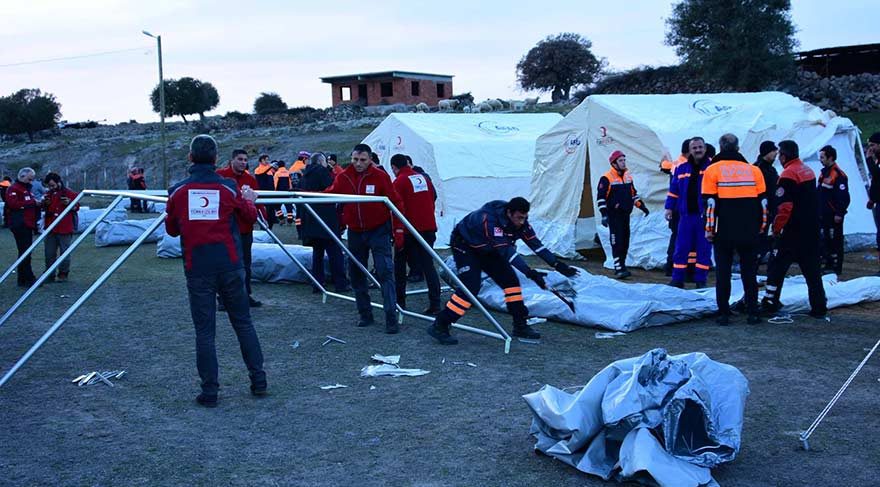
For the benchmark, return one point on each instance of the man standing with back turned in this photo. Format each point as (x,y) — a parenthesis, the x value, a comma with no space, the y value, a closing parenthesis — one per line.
(204,210)
(736,215)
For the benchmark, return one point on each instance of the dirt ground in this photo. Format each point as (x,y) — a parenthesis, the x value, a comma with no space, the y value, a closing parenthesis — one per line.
(458,425)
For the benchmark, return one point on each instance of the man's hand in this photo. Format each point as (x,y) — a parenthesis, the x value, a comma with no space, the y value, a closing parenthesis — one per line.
(644,209)
(710,236)
(838,218)
(248,194)
(537,277)
(870,205)
(605,221)
(398,239)
(668,215)
(565,269)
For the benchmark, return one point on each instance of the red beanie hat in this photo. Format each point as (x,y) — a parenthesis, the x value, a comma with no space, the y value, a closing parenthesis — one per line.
(615,155)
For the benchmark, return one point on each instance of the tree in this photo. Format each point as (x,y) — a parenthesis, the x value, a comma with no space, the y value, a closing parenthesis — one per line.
(558,63)
(740,44)
(186,96)
(268,103)
(28,111)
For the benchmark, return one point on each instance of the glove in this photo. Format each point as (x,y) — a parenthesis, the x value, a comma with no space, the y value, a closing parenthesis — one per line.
(644,209)
(605,221)
(565,269)
(870,205)
(398,239)
(537,277)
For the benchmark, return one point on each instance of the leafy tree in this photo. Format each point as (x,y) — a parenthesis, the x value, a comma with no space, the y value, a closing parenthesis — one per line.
(268,103)
(28,111)
(186,96)
(743,44)
(557,63)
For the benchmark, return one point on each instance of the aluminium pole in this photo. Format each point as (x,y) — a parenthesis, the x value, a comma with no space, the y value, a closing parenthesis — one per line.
(162,115)
(82,299)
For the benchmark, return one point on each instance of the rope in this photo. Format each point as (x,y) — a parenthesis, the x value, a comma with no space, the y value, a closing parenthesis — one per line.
(806,434)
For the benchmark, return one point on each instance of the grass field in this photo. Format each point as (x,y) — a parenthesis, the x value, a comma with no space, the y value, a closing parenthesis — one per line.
(458,425)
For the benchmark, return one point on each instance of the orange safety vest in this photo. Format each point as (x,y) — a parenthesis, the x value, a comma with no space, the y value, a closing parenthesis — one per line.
(670,166)
(281,173)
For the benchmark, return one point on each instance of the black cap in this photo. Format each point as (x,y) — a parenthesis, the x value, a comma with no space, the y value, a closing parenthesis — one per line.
(332,157)
(766,148)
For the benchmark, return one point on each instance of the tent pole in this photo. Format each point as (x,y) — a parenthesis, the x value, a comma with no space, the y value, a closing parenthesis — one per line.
(42,236)
(82,299)
(45,275)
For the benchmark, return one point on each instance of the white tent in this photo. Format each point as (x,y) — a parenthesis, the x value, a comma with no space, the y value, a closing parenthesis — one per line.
(572,156)
(471,158)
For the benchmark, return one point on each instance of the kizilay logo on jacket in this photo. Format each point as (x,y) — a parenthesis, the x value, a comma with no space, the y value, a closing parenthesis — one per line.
(494,128)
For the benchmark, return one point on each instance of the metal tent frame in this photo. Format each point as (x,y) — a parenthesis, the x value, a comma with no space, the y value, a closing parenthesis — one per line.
(265,197)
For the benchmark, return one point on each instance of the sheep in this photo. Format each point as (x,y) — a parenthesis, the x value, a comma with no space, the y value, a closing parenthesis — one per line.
(422,108)
(496,104)
(466,109)
(531,102)
(517,105)
(447,105)
(485,107)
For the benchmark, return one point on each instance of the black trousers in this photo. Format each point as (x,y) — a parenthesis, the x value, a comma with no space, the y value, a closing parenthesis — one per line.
(832,244)
(470,266)
(618,226)
(24,237)
(748,253)
(334,255)
(807,258)
(419,258)
(670,249)
(247,243)
(231,290)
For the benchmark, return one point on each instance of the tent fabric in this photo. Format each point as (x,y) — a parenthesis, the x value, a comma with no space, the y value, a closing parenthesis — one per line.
(152,206)
(648,128)
(607,303)
(664,419)
(271,264)
(471,158)
(125,232)
(85,216)
(169,247)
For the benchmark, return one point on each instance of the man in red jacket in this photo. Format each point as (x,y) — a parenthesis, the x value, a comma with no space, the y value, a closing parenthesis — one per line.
(23,211)
(369,231)
(57,242)
(237,171)
(417,193)
(205,210)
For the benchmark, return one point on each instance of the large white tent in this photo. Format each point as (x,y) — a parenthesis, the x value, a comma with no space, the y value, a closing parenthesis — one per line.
(572,156)
(471,158)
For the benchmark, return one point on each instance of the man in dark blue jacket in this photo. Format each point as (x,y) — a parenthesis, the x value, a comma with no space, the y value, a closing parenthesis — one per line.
(204,211)
(833,202)
(485,241)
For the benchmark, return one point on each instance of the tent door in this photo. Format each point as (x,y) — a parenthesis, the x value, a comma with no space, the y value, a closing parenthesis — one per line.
(587,193)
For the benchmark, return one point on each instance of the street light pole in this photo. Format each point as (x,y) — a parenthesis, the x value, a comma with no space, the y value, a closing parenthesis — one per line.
(161,110)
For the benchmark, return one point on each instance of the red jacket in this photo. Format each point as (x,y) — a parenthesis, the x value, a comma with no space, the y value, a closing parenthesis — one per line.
(363,217)
(417,193)
(242,179)
(54,206)
(22,206)
(204,210)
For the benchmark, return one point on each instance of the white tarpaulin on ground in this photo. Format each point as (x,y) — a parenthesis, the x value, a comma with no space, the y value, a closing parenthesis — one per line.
(471,158)
(603,302)
(85,217)
(125,232)
(271,264)
(169,247)
(152,206)
(572,156)
(657,419)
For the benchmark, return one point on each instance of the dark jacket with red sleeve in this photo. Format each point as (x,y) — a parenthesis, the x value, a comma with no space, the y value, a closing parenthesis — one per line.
(417,193)
(54,206)
(203,210)
(833,193)
(22,206)
(797,213)
(241,180)
(363,217)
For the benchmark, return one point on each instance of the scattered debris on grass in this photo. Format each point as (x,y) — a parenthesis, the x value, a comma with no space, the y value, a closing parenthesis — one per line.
(604,335)
(332,339)
(96,377)
(390,370)
(386,359)
(334,386)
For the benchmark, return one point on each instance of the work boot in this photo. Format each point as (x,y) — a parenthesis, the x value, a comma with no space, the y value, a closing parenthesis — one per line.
(431,310)
(677,284)
(753,319)
(770,307)
(442,335)
(62,277)
(700,285)
(524,331)
(622,274)
(259,390)
(667,270)
(365,321)
(254,303)
(723,319)
(392,327)
(206,400)
(818,314)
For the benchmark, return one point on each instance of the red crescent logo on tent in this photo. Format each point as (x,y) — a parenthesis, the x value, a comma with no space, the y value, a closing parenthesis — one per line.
(604,131)
(399,140)
(205,205)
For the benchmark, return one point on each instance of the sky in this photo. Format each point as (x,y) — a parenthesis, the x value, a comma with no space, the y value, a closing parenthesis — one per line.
(245,48)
